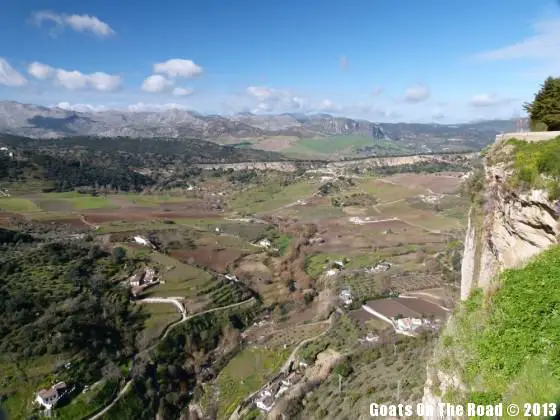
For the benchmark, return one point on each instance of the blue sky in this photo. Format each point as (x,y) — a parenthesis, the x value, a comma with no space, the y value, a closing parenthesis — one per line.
(383,60)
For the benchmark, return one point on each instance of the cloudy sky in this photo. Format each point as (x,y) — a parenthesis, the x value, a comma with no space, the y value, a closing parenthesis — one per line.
(383,60)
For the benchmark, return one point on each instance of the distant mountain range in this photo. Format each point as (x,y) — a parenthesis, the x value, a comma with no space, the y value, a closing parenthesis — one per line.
(286,133)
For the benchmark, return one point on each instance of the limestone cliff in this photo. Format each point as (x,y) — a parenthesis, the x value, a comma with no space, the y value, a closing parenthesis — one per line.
(506,228)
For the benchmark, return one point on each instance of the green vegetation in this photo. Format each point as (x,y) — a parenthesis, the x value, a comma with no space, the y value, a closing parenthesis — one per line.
(60,302)
(246,373)
(386,375)
(271,196)
(179,279)
(161,315)
(335,143)
(537,165)
(17,205)
(544,110)
(196,349)
(506,345)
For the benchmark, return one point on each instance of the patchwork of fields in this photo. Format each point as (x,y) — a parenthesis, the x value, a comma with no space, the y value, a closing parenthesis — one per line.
(407,219)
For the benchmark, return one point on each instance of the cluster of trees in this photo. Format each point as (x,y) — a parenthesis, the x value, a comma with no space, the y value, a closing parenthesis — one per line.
(544,110)
(57,298)
(139,152)
(193,353)
(64,173)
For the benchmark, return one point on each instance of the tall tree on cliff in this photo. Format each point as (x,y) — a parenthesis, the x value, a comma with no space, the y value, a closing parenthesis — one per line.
(544,111)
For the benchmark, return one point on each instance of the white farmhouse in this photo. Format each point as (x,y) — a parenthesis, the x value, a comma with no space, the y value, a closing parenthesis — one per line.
(265,243)
(140,240)
(49,397)
(265,401)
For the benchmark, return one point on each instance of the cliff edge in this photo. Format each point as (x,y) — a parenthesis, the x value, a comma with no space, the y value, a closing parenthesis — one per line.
(507,326)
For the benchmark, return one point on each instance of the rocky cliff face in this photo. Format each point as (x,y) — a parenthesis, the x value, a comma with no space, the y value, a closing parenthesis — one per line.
(515,227)
(504,232)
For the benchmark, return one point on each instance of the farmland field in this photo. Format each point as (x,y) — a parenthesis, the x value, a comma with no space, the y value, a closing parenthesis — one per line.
(246,373)
(17,205)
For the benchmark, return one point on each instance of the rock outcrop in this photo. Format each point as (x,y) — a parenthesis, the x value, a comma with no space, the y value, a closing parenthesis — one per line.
(505,231)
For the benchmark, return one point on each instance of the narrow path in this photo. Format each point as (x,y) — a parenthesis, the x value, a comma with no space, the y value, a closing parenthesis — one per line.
(171,300)
(83,219)
(169,328)
(292,357)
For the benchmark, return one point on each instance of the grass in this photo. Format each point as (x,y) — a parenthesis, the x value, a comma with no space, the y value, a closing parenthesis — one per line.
(512,337)
(272,196)
(385,191)
(246,373)
(283,243)
(161,315)
(335,144)
(537,165)
(179,279)
(84,405)
(146,200)
(19,381)
(17,205)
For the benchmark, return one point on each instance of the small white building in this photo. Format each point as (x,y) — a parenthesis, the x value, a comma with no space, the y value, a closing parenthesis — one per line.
(339,264)
(140,240)
(48,398)
(137,279)
(331,272)
(265,401)
(265,243)
(231,277)
(346,297)
(408,324)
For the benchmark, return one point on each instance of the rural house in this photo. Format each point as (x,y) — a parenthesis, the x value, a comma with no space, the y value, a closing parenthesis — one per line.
(265,243)
(48,398)
(140,240)
(406,315)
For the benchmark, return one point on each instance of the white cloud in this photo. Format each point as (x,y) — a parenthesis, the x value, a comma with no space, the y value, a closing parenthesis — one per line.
(327,105)
(10,76)
(143,107)
(275,100)
(156,83)
(40,71)
(488,100)
(80,23)
(261,92)
(416,94)
(177,67)
(75,80)
(179,91)
(104,82)
(81,107)
(543,44)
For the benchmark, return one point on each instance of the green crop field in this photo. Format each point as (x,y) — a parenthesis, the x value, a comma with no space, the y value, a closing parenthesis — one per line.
(271,197)
(145,200)
(246,373)
(17,205)
(179,279)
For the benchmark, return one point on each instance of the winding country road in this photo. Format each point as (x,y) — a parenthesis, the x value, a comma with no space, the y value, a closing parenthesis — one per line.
(185,318)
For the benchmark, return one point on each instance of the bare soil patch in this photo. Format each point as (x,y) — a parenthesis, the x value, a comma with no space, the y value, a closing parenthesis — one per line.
(70,221)
(217,259)
(9,219)
(438,183)
(100,216)
(276,144)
